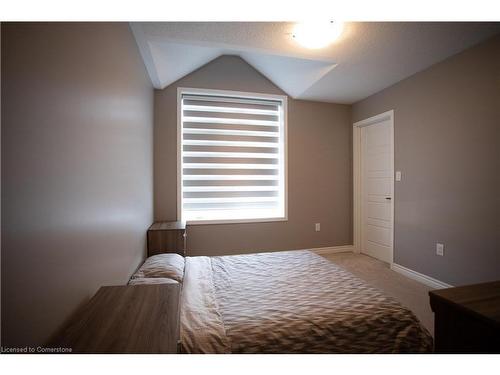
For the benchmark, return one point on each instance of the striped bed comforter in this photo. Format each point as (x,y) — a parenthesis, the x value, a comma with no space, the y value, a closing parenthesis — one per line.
(290,302)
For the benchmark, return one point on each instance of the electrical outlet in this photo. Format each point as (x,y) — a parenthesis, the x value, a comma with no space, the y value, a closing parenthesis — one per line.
(440,249)
(398,175)
(317,227)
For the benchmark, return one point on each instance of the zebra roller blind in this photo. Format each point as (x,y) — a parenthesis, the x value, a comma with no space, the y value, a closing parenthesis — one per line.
(232,157)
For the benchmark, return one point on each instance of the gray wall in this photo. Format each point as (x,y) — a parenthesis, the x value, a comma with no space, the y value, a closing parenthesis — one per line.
(319,169)
(447,145)
(77,127)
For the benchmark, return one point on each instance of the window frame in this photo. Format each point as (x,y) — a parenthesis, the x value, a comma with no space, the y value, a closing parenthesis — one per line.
(240,94)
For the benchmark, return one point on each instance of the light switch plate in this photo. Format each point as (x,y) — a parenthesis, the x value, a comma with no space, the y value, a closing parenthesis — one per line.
(317,227)
(398,175)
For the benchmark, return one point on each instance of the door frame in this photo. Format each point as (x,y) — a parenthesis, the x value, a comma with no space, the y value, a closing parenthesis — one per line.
(357,180)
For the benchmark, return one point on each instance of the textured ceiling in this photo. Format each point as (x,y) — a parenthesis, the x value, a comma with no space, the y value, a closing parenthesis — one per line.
(367,58)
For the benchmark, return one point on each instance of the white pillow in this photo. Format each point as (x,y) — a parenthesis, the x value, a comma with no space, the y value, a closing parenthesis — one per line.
(169,266)
(151,280)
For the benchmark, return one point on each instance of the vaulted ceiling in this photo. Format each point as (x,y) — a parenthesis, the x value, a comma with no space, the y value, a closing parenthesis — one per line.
(367,58)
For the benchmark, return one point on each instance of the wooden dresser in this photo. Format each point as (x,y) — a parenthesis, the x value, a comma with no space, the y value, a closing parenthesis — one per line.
(125,319)
(467,318)
(167,237)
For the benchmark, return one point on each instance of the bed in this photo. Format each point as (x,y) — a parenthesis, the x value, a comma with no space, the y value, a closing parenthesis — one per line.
(288,302)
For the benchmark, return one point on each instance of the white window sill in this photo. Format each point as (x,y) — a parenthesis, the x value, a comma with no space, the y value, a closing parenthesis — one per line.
(236,221)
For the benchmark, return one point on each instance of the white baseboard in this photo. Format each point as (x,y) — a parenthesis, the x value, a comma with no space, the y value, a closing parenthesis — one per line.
(420,277)
(333,249)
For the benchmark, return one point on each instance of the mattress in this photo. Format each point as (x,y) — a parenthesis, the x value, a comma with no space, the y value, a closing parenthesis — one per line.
(290,302)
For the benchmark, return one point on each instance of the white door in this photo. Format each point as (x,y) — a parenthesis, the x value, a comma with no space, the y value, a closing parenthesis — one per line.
(377,189)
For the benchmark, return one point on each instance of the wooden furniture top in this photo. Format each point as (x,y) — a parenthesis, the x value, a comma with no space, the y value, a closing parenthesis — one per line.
(168,225)
(126,319)
(482,300)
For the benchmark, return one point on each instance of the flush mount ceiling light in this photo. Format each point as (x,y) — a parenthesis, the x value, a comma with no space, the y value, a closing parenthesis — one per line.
(316,35)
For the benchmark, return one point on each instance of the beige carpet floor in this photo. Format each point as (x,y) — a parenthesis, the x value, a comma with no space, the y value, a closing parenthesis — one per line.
(408,292)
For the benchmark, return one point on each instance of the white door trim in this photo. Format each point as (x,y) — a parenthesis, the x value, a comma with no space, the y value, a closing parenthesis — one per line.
(357,181)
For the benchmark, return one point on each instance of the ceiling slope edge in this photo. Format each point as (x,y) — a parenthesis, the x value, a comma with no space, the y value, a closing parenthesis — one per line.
(293,75)
(145,52)
(174,61)
(168,61)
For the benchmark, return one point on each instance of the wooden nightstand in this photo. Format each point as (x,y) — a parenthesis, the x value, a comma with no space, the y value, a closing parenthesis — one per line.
(167,237)
(125,319)
(467,318)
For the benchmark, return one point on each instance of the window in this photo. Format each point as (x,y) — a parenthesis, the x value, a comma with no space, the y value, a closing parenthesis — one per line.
(231,156)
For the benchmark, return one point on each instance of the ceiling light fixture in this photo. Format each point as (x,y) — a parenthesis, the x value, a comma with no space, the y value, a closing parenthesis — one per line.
(316,35)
